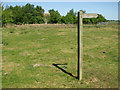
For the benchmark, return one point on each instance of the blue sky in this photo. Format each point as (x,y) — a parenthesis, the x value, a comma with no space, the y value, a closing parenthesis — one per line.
(108,9)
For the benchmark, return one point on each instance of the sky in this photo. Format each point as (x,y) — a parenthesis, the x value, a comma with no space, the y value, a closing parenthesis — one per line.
(108,9)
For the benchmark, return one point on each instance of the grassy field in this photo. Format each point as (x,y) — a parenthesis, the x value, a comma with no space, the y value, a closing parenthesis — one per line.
(29,52)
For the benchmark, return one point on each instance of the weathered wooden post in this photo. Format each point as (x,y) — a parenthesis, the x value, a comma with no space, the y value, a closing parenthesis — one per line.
(80,27)
(80,42)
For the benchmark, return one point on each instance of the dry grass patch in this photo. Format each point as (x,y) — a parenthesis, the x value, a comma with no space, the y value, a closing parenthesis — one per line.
(27,53)
(67,51)
(61,33)
(7,68)
(43,50)
(9,48)
(115,36)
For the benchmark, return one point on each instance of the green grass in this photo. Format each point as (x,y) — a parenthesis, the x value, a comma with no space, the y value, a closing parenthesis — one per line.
(25,46)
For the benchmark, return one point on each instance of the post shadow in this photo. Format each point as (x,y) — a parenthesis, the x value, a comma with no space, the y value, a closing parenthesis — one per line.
(79,65)
(63,70)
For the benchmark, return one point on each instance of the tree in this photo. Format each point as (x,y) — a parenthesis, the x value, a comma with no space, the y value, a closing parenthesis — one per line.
(100,18)
(1,9)
(18,14)
(39,14)
(7,17)
(40,11)
(70,18)
(29,14)
(40,19)
(55,16)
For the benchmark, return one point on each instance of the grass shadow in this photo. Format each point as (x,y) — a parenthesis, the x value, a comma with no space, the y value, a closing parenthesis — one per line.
(63,70)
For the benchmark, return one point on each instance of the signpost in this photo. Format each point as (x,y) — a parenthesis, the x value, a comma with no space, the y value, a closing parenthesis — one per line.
(80,29)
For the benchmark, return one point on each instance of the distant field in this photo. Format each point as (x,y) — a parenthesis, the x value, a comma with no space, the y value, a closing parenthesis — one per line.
(29,52)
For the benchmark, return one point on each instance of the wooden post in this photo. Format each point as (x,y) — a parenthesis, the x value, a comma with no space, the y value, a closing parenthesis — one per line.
(80,30)
(80,27)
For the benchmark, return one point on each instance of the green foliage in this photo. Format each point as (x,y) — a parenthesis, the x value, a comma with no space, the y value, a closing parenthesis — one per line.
(7,17)
(40,11)
(1,9)
(40,19)
(100,18)
(17,14)
(70,18)
(29,14)
(55,16)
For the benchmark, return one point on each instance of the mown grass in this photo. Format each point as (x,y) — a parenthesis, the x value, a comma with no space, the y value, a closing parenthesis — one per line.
(29,52)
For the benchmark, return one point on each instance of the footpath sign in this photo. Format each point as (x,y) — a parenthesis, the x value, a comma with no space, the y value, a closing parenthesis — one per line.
(80,29)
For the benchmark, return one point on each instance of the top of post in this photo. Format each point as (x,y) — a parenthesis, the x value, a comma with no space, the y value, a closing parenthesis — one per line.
(81,12)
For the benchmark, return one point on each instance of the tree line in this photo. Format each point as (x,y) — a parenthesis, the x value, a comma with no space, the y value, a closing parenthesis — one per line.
(29,14)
